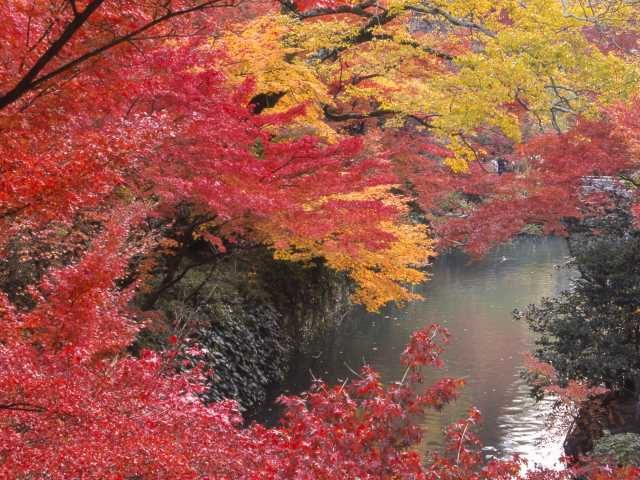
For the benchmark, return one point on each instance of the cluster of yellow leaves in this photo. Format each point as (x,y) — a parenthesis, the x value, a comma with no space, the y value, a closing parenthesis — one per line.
(533,53)
(259,51)
(285,54)
(398,72)
(540,59)
(381,276)
(605,14)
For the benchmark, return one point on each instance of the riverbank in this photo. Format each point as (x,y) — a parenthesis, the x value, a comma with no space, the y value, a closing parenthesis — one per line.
(474,300)
(269,327)
(252,315)
(604,415)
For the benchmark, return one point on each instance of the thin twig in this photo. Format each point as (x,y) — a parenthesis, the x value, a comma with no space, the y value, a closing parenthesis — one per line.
(464,432)
(352,370)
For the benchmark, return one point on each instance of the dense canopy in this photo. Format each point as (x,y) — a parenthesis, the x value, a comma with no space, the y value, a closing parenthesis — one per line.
(366,134)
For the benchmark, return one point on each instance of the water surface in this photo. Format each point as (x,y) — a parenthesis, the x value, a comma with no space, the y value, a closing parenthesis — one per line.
(474,300)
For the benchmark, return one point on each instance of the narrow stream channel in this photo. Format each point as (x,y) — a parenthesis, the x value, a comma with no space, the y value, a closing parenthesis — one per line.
(474,300)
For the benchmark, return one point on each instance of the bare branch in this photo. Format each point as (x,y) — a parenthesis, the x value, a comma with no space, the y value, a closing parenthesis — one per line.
(74,7)
(475,152)
(21,406)
(417,46)
(342,117)
(460,22)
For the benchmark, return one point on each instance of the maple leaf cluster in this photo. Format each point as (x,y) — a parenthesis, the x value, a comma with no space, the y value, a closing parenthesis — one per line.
(140,113)
(549,192)
(72,397)
(465,80)
(113,111)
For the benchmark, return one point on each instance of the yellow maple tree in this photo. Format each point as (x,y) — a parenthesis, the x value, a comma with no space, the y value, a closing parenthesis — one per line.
(381,275)
(454,66)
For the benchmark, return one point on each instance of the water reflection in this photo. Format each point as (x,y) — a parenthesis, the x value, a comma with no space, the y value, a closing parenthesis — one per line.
(474,301)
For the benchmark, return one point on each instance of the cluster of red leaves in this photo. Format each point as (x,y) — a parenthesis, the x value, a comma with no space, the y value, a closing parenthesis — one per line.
(543,376)
(72,397)
(547,188)
(117,105)
(304,5)
(153,119)
(68,78)
(210,150)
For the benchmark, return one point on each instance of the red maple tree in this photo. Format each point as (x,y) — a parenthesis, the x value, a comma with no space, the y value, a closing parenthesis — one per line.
(544,186)
(109,107)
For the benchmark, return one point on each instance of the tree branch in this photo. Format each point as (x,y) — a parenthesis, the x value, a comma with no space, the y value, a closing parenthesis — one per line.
(417,46)
(359,9)
(475,153)
(366,34)
(74,7)
(460,22)
(342,117)
(27,82)
(20,406)
(31,79)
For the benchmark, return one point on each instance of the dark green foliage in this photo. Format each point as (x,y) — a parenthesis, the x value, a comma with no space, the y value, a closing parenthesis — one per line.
(621,449)
(592,332)
(249,312)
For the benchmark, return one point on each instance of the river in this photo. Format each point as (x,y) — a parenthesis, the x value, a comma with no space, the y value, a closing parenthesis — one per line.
(474,300)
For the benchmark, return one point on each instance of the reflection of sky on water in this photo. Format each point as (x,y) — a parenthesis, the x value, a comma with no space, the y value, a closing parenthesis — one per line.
(474,301)
(523,424)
